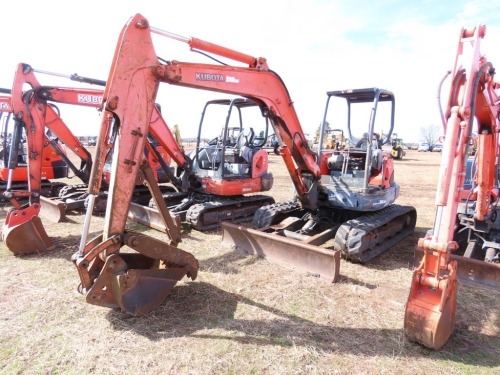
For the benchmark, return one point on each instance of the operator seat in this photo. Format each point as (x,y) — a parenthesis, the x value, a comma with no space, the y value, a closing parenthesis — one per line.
(245,144)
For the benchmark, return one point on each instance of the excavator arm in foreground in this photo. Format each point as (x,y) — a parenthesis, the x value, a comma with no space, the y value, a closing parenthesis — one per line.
(463,244)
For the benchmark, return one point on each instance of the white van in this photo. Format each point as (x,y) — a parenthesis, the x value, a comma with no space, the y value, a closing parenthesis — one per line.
(423,147)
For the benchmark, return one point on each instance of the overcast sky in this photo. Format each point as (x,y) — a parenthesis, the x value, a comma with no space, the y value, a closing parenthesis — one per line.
(314,45)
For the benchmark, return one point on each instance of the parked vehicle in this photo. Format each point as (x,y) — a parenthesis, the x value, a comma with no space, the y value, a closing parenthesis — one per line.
(437,148)
(424,147)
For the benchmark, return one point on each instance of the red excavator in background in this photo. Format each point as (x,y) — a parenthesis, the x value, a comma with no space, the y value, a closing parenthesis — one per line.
(464,242)
(355,194)
(13,155)
(23,231)
(225,170)
(138,282)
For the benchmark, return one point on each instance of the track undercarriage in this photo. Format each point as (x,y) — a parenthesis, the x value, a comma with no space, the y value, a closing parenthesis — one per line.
(204,212)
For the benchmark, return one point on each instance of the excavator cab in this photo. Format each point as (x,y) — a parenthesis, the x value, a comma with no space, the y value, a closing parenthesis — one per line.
(359,177)
(234,162)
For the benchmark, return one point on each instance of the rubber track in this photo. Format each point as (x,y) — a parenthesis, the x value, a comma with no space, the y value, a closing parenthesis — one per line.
(273,213)
(209,215)
(353,237)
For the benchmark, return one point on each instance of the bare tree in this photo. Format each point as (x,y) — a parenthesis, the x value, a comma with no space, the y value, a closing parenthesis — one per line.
(430,134)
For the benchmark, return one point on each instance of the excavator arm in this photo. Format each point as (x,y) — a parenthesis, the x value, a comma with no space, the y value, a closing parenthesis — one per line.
(271,91)
(463,244)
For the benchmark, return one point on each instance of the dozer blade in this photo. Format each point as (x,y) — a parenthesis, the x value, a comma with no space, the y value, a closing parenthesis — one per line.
(430,312)
(473,272)
(53,209)
(147,216)
(133,283)
(284,251)
(27,238)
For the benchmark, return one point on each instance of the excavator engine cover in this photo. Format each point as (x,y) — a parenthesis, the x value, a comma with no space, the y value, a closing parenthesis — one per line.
(25,236)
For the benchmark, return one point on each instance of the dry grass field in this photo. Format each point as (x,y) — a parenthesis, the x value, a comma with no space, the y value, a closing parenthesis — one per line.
(242,315)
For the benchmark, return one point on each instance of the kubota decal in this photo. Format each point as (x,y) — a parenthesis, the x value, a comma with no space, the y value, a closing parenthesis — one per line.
(215,78)
(209,77)
(92,99)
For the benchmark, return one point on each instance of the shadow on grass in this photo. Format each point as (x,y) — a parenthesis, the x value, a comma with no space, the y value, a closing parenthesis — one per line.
(196,307)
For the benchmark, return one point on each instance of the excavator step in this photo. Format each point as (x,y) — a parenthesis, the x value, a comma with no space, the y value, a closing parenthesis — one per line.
(284,251)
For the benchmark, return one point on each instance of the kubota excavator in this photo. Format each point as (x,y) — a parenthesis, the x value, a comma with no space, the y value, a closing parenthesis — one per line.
(134,281)
(218,175)
(464,242)
(23,231)
(226,169)
(354,197)
(13,156)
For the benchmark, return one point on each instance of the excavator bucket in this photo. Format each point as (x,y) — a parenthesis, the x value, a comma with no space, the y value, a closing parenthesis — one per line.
(287,252)
(430,311)
(133,283)
(136,283)
(25,237)
(53,209)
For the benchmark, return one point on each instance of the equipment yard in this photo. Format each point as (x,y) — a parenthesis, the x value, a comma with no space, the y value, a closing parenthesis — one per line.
(243,315)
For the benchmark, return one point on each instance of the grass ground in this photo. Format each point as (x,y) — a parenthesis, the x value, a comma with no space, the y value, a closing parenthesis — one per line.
(242,315)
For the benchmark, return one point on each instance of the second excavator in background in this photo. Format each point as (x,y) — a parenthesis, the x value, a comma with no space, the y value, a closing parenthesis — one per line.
(35,117)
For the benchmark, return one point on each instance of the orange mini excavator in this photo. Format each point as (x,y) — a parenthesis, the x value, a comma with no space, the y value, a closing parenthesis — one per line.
(13,155)
(23,231)
(34,113)
(464,243)
(139,281)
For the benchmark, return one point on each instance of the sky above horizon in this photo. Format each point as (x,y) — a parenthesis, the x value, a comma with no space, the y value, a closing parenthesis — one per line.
(314,45)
